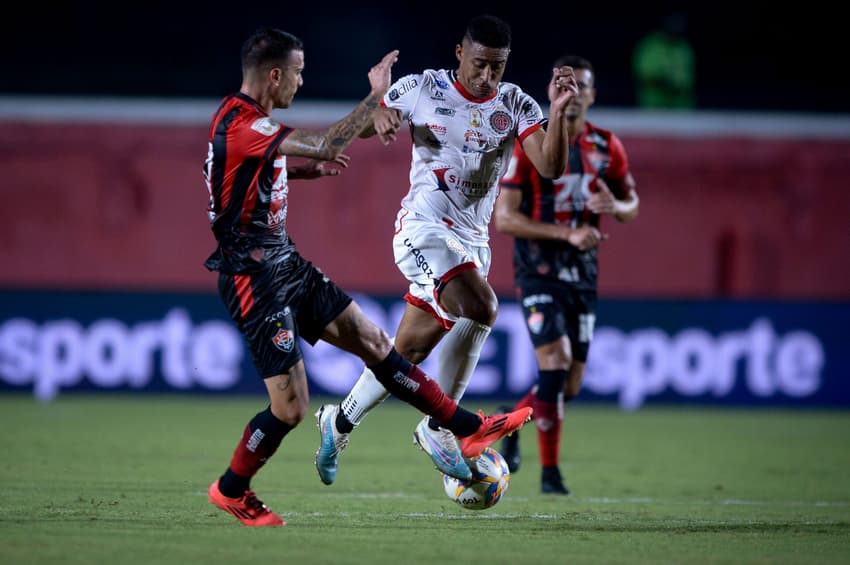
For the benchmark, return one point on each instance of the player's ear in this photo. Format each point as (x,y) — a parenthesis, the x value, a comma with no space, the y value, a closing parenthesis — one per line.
(459,51)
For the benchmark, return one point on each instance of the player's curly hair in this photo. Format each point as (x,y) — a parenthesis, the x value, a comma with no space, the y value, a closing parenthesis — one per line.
(489,31)
(268,46)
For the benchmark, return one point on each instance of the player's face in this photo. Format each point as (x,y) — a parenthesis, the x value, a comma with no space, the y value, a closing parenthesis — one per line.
(481,68)
(289,79)
(577,107)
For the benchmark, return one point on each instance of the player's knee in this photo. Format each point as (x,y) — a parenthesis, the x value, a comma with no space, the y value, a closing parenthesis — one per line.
(484,310)
(376,345)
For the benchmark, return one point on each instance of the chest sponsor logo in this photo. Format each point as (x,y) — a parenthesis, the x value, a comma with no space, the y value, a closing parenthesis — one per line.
(265,126)
(444,111)
(437,129)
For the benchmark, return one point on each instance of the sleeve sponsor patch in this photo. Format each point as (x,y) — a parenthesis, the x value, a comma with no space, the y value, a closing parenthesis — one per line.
(265,126)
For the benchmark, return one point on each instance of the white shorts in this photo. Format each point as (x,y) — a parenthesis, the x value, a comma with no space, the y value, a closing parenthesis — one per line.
(429,254)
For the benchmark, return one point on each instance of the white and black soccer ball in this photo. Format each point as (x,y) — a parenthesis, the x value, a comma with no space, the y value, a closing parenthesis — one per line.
(490,480)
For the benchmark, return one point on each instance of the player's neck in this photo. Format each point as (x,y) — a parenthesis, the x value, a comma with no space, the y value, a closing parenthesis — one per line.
(574,127)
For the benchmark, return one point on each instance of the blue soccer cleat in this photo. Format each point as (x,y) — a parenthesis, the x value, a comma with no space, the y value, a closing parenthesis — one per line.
(332,444)
(442,447)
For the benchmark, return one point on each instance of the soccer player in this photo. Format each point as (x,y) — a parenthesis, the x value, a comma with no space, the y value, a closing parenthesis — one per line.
(463,124)
(271,292)
(556,226)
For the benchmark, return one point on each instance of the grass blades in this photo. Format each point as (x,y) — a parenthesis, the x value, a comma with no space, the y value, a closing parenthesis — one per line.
(122,479)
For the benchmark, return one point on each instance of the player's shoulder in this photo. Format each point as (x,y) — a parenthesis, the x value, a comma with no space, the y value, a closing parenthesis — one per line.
(603,137)
(594,130)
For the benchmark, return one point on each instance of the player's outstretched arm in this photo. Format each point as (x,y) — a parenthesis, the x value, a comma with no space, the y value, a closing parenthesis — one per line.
(327,145)
(548,150)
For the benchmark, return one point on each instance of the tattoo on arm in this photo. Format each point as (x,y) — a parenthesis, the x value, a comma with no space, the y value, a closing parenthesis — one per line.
(326,145)
(341,133)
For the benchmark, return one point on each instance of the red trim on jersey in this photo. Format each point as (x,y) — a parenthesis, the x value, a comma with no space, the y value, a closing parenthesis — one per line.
(466,94)
(400,220)
(529,131)
(422,305)
(448,222)
(244,292)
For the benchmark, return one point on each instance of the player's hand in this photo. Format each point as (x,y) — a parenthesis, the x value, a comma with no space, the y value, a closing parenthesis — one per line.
(315,168)
(585,237)
(603,201)
(387,122)
(564,79)
(380,76)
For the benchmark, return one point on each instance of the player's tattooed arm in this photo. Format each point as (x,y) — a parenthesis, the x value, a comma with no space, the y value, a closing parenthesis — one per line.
(327,145)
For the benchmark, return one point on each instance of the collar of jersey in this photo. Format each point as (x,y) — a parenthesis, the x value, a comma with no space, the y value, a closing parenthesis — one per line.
(466,94)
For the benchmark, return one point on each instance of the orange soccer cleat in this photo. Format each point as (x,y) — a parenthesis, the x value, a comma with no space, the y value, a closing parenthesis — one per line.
(249,509)
(492,429)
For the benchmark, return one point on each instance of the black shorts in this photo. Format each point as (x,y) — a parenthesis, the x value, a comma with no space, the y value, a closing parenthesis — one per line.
(285,299)
(554,309)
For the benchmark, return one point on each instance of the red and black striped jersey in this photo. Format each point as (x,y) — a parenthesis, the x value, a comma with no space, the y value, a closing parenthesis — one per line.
(595,153)
(246,179)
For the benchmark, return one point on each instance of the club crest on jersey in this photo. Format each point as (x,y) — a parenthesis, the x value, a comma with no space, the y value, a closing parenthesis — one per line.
(265,126)
(535,322)
(501,121)
(284,340)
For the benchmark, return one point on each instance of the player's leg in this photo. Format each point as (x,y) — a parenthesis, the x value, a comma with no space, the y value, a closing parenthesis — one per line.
(271,334)
(578,313)
(353,332)
(553,359)
(546,321)
(471,300)
(471,306)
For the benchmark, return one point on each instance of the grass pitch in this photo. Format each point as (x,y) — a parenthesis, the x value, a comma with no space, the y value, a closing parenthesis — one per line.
(122,479)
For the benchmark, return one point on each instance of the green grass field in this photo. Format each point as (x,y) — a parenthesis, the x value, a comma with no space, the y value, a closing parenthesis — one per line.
(121,479)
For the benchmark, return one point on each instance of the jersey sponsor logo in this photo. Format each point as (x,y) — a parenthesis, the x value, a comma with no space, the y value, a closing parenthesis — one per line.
(444,111)
(448,179)
(265,126)
(441,84)
(437,95)
(421,262)
(403,89)
(534,299)
(501,121)
(284,340)
(438,129)
(278,316)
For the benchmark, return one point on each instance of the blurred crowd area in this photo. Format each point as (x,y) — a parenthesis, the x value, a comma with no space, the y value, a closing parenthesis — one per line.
(745,56)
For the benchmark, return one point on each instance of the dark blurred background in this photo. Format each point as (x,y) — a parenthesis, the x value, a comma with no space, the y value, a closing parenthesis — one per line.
(748,56)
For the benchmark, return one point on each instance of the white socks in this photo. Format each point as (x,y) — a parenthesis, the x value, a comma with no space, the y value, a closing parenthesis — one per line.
(367,393)
(459,354)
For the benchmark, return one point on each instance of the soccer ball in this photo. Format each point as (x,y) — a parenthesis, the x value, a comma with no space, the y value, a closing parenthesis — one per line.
(490,479)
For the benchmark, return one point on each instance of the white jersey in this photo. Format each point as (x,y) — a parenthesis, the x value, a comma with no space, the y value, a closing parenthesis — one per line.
(461,147)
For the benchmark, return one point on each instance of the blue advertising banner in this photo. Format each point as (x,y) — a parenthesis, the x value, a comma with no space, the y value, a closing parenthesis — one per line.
(643,351)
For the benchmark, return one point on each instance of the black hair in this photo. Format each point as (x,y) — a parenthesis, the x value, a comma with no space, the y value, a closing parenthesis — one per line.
(489,31)
(268,45)
(575,62)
